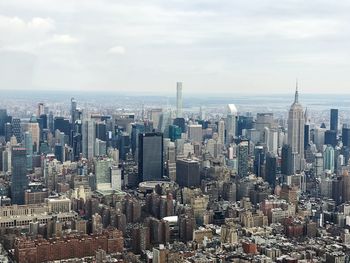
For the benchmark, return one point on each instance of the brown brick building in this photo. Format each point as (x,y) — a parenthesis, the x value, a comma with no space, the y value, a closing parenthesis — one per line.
(71,246)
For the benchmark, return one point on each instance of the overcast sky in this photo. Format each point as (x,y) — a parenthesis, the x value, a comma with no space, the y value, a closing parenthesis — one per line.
(228,46)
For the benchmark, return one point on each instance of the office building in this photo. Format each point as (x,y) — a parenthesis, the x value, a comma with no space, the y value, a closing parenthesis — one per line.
(16,129)
(88,138)
(188,173)
(231,123)
(221,132)
(328,159)
(179,100)
(28,143)
(19,180)
(150,161)
(330,137)
(334,120)
(346,136)
(296,131)
(243,158)
(195,133)
(271,168)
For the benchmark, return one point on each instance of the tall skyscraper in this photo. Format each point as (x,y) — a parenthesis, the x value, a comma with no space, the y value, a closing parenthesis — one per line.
(16,129)
(221,131)
(3,120)
(88,138)
(195,133)
(28,141)
(243,155)
(73,109)
(328,158)
(296,127)
(188,172)
(231,123)
(271,168)
(19,180)
(41,108)
(334,120)
(346,136)
(286,164)
(150,160)
(179,99)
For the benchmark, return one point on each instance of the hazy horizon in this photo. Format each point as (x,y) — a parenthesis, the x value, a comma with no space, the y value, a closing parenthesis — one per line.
(212,47)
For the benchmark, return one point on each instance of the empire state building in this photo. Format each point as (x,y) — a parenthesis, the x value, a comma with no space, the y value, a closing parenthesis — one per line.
(296,123)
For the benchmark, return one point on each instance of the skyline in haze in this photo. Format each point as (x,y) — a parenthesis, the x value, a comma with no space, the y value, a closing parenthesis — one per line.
(244,47)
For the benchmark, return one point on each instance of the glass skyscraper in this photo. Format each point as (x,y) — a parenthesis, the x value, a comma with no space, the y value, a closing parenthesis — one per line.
(19,181)
(150,160)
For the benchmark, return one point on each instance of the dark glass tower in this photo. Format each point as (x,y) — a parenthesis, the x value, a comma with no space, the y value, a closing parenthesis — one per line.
(271,168)
(150,160)
(287,159)
(19,181)
(330,137)
(334,120)
(346,136)
(188,173)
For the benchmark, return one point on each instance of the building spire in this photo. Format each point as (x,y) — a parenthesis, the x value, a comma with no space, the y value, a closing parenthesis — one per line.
(296,99)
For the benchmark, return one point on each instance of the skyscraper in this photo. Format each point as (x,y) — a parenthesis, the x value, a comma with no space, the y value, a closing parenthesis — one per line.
(271,168)
(195,133)
(221,132)
(346,136)
(88,138)
(231,122)
(328,158)
(19,179)
(243,162)
(150,160)
(296,123)
(179,99)
(187,172)
(16,129)
(73,109)
(334,120)
(28,141)
(286,164)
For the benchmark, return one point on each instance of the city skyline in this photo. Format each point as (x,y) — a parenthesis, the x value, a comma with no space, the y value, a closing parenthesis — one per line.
(225,47)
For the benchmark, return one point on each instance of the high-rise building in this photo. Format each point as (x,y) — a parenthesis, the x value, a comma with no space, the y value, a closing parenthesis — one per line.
(346,136)
(188,172)
(330,137)
(3,120)
(271,168)
(286,164)
(243,155)
(259,160)
(19,180)
(231,123)
(334,120)
(33,128)
(73,109)
(41,108)
(150,161)
(88,138)
(221,132)
(328,158)
(16,129)
(296,132)
(195,133)
(28,143)
(179,99)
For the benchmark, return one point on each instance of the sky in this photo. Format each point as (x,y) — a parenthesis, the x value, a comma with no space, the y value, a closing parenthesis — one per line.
(212,46)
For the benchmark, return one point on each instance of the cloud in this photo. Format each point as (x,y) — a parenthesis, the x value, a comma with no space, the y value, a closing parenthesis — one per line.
(63,39)
(119,50)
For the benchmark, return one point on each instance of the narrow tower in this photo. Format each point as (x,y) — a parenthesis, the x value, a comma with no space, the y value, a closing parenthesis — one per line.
(296,121)
(179,99)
